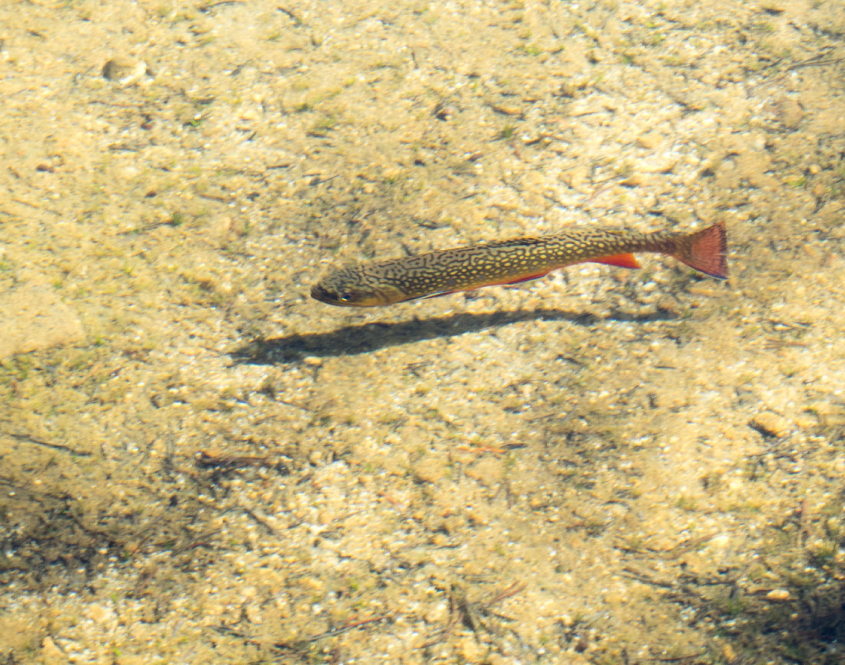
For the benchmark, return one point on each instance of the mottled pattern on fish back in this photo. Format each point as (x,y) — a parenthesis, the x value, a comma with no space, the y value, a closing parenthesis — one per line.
(506,261)
(510,261)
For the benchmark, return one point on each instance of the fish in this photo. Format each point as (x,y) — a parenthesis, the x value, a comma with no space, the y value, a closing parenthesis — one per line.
(439,273)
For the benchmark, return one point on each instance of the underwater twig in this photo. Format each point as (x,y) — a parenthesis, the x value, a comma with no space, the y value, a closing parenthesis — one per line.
(300,645)
(806,527)
(469,612)
(262,522)
(687,546)
(815,61)
(55,446)
(207,8)
(350,626)
(481,449)
(37,207)
(676,659)
(512,590)
(644,578)
(211,461)
(292,16)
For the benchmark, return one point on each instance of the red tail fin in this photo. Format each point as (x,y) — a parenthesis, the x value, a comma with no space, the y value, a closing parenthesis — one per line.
(705,251)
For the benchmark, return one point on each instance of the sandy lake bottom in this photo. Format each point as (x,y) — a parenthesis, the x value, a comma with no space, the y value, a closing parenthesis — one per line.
(200,464)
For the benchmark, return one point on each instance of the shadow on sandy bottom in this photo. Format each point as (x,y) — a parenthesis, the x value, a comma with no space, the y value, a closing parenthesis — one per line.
(61,540)
(368,337)
(808,629)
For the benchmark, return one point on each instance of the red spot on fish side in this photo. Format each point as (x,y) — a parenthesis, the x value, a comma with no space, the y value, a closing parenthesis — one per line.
(618,260)
(706,251)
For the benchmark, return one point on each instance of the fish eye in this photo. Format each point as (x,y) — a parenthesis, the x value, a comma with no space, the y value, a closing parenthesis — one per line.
(345,297)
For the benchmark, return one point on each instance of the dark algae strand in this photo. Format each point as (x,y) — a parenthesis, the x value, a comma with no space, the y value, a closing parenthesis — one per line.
(512,261)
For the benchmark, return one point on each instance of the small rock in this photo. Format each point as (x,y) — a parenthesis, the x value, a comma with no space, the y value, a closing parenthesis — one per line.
(125,71)
(806,422)
(827,413)
(488,472)
(429,469)
(789,112)
(507,109)
(478,516)
(778,595)
(614,599)
(312,583)
(770,424)
(773,7)
(753,167)
(99,614)
(438,613)
(635,180)
(50,653)
(445,111)
(496,659)
(650,140)
(33,318)
(253,613)
(129,659)
(439,540)
(470,649)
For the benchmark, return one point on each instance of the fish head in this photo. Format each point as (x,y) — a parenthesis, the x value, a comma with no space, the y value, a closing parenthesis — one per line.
(352,287)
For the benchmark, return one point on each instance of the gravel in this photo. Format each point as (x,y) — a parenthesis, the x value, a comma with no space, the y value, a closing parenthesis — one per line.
(603,466)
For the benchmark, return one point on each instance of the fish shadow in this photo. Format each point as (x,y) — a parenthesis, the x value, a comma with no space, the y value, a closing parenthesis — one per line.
(368,337)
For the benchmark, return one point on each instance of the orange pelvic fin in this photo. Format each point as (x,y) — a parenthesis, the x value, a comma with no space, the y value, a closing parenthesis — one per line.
(618,260)
(705,250)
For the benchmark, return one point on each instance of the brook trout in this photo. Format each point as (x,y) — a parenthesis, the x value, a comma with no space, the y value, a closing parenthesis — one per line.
(513,261)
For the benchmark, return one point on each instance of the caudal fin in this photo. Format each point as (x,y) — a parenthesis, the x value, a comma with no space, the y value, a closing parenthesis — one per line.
(705,251)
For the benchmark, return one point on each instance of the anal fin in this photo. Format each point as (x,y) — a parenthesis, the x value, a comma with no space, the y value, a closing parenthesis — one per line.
(618,260)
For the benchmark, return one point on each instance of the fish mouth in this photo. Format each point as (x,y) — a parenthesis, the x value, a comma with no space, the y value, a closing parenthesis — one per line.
(319,293)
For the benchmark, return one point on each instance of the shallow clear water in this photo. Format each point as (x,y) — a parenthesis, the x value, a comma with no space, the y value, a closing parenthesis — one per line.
(199,463)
